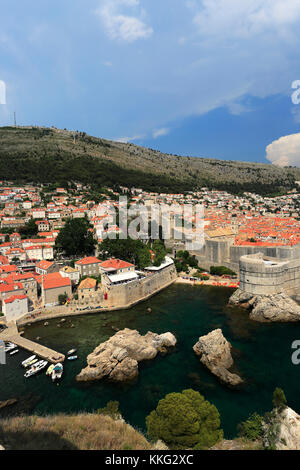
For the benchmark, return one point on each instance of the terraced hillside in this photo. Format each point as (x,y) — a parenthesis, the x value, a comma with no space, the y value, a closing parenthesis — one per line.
(39,154)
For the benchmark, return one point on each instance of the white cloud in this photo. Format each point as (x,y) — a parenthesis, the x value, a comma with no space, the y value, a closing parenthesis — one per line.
(160,132)
(107,63)
(2,92)
(246,18)
(120,26)
(125,140)
(285,151)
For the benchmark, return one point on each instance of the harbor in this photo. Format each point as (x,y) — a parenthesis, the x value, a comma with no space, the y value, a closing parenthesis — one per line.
(11,335)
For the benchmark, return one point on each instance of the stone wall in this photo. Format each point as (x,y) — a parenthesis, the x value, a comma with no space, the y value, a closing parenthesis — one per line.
(265,275)
(122,295)
(223,252)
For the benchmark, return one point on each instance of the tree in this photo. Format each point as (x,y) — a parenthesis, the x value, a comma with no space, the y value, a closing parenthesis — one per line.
(62,298)
(185,421)
(75,238)
(279,400)
(29,229)
(134,251)
(252,428)
(160,252)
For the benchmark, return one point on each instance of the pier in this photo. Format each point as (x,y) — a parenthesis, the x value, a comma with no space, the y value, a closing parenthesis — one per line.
(11,334)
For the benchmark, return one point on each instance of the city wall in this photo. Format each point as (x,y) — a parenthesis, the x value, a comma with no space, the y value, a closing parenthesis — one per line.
(224,253)
(122,295)
(265,275)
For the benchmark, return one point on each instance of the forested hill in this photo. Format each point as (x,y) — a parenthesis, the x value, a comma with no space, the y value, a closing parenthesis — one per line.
(37,154)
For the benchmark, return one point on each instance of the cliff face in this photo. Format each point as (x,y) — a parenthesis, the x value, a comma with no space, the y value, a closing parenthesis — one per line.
(71,432)
(267,308)
(283,431)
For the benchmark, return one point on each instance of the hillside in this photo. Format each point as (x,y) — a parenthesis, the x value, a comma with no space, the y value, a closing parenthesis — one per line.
(70,432)
(35,154)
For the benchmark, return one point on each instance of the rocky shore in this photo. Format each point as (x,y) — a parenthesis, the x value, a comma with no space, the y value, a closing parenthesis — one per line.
(283,430)
(267,308)
(117,359)
(215,353)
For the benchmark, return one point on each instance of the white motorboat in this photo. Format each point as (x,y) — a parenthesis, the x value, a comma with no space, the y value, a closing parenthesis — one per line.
(9,347)
(40,365)
(72,358)
(57,372)
(50,369)
(27,361)
(71,352)
(14,352)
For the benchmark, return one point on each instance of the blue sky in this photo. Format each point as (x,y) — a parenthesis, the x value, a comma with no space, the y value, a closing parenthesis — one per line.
(194,77)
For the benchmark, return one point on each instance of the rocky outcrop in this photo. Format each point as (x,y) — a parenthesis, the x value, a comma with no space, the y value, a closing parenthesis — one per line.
(283,431)
(267,308)
(118,358)
(4,404)
(215,353)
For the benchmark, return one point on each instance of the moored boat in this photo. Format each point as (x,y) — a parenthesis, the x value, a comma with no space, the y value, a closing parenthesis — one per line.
(40,365)
(28,361)
(9,347)
(14,352)
(72,358)
(57,372)
(71,352)
(50,369)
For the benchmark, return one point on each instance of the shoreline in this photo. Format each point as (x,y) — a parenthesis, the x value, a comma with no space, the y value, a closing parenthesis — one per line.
(210,282)
(39,317)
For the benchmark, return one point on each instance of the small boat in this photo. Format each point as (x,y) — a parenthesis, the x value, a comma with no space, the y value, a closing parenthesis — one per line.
(72,358)
(14,352)
(28,360)
(10,347)
(50,369)
(72,351)
(32,362)
(57,372)
(35,368)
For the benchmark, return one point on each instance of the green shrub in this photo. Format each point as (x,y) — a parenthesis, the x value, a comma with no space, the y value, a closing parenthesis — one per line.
(185,421)
(279,400)
(251,428)
(220,270)
(111,409)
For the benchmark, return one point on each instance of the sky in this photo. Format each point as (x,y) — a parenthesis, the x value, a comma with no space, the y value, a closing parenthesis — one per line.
(210,78)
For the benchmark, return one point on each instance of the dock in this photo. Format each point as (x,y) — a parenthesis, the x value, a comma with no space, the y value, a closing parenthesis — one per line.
(11,334)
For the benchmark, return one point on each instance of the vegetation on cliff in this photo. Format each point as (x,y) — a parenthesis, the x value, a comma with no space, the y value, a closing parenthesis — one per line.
(45,155)
(70,432)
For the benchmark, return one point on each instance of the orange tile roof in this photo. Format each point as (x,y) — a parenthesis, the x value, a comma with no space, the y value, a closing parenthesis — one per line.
(14,297)
(10,287)
(44,264)
(55,280)
(88,260)
(115,264)
(88,283)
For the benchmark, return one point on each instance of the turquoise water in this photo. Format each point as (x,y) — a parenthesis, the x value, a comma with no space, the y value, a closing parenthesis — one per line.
(262,356)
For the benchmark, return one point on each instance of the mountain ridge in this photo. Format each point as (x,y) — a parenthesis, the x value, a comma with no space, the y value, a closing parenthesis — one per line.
(42,154)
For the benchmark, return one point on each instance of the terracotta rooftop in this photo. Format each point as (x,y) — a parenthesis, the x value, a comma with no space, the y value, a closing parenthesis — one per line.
(114,263)
(55,280)
(88,260)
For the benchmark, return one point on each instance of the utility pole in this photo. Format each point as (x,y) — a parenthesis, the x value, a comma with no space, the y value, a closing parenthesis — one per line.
(15,119)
